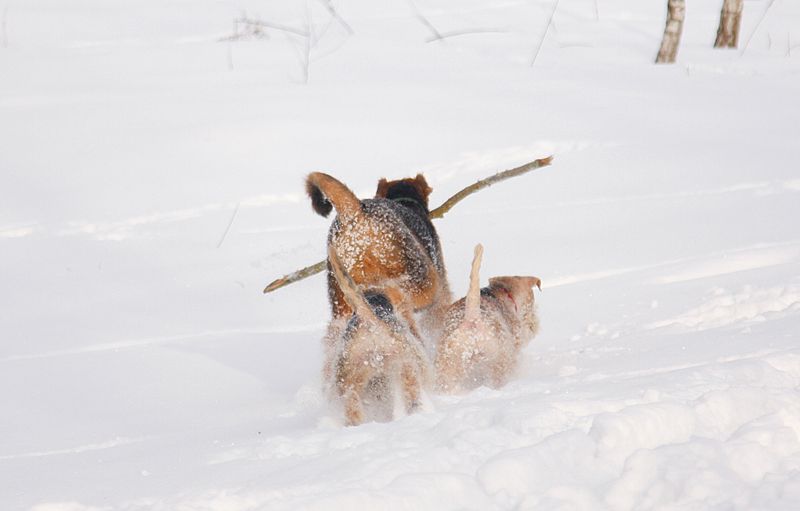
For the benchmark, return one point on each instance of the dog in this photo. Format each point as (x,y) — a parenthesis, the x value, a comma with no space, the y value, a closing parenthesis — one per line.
(485,331)
(379,359)
(385,242)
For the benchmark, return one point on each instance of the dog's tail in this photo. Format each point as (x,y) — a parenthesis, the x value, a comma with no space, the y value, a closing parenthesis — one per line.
(327,192)
(352,295)
(472,302)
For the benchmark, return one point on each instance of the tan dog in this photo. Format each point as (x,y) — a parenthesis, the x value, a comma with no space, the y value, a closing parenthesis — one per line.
(485,331)
(384,243)
(378,359)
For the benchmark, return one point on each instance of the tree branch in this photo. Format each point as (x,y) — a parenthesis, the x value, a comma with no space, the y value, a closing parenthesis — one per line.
(486,183)
(758,25)
(544,35)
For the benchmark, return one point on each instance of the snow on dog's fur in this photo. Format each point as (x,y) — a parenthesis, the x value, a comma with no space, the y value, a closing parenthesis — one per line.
(378,359)
(485,331)
(384,243)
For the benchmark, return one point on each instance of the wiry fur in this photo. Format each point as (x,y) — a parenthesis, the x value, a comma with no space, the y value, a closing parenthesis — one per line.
(383,243)
(377,355)
(413,193)
(485,331)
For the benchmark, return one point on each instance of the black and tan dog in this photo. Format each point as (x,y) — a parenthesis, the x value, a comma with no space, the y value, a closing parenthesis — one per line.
(385,242)
(485,331)
(378,359)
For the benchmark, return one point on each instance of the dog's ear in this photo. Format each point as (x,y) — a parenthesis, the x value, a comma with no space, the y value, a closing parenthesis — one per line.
(319,202)
(422,187)
(533,281)
(383,188)
(514,284)
(413,188)
(520,288)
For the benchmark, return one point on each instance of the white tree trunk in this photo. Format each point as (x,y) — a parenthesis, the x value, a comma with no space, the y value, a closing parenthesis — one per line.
(676,12)
(729,21)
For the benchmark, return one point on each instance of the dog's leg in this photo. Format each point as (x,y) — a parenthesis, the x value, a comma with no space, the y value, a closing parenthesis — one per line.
(353,407)
(410,379)
(501,369)
(450,366)
(352,379)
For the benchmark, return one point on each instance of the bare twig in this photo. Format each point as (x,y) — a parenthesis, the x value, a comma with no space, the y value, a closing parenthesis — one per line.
(486,183)
(295,276)
(597,10)
(230,223)
(276,26)
(436,213)
(544,34)
(758,25)
(246,28)
(455,33)
(789,46)
(422,19)
(328,4)
(254,29)
(303,50)
(441,36)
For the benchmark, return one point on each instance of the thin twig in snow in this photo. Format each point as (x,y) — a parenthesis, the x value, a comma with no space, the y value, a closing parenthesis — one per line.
(253,29)
(320,34)
(335,15)
(789,45)
(467,31)
(544,35)
(597,10)
(422,19)
(230,223)
(758,25)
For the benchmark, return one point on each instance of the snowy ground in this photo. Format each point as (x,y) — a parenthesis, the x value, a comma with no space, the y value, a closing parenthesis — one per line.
(141,368)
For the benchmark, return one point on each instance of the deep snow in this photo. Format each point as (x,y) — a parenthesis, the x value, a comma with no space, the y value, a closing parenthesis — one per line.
(142,368)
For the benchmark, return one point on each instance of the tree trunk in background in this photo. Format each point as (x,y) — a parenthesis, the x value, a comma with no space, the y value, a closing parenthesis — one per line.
(676,12)
(729,21)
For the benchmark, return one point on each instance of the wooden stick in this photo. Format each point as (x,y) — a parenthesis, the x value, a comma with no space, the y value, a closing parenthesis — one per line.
(436,213)
(486,183)
(295,276)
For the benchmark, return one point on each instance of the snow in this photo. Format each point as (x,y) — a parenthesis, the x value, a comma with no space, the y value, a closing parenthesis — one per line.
(141,368)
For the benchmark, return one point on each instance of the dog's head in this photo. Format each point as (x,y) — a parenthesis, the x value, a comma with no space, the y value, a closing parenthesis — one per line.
(411,189)
(518,293)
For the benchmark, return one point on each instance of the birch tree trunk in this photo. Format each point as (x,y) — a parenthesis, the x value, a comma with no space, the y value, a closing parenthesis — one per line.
(729,21)
(676,12)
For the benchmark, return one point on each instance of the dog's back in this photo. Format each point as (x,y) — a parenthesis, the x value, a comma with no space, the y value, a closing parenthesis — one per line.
(382,242)
(412,194)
